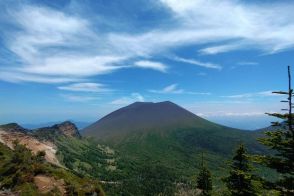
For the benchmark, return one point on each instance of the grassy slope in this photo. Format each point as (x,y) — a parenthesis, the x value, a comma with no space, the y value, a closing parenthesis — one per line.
(86,157)
(181,150)
(177,151)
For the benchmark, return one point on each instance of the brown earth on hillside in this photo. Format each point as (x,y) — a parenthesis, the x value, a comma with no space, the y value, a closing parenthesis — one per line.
(46,184)
(31,143)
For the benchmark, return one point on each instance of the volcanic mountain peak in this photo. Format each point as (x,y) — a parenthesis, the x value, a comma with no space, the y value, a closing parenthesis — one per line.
(144,116)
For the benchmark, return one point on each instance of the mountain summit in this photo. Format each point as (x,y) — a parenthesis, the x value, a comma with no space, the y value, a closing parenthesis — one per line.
(145,117)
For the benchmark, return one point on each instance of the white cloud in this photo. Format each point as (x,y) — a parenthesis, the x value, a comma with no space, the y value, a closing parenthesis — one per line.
(265,26)
(78,98)
(260,26)
(232,108)
(16,77)
(220,49)
(245,63)
(86,87)
(198,63)
(151,65)
(250,95)
(51,44)
(128,100)
(173,89)
(230,114)
(54,43)
(75,66)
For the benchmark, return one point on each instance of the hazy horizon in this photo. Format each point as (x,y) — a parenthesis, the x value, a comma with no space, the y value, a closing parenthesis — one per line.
(231,120)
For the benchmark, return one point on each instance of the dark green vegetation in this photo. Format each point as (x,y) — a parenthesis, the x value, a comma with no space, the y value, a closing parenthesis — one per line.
(119,175)
(281,141)
(204,182)
(241,181)
(175,147)
(18,169)
(86,157)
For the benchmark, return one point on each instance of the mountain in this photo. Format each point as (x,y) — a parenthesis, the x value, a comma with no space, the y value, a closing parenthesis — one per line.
(166,120)
(143,117)
(170,137)
(141,149)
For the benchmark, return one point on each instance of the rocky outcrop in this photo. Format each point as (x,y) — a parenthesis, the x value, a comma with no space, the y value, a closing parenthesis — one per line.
(8,136)
(68,128)
(42,139)
(13,127)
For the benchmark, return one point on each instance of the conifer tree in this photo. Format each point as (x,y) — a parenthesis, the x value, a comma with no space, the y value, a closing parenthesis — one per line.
(281,141)
(240,180)
(204,182)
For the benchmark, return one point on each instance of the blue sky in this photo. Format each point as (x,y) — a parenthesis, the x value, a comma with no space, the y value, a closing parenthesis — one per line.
(81,60)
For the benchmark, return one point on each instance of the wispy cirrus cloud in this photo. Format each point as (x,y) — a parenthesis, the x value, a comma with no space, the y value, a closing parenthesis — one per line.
(128,100)
(173,89)
(19,77)
(251,95)
(57,47)
(245,64)
(75,66)
(212,50)
(86,87)
(55,43)
(78,98)
(51,44)
(259,25)
(249,63)
(151,65)
(230,114)
(198,63)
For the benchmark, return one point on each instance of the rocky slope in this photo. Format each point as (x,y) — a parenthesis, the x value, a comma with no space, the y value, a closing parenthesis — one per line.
(8,136)
(39,139)
(25,170)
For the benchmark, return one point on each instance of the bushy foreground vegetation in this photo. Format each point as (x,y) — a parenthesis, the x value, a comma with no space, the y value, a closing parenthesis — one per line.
(19,167)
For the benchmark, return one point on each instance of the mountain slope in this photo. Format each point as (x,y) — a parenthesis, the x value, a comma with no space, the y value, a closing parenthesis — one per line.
(145,117)
(166,120)
(37,162)
(171,137)
(23,173)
